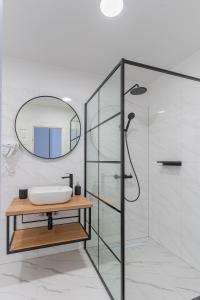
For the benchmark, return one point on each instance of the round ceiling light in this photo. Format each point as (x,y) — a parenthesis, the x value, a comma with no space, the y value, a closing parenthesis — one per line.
(111,8)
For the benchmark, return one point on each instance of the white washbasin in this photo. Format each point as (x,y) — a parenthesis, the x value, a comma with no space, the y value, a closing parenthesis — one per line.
(41,195)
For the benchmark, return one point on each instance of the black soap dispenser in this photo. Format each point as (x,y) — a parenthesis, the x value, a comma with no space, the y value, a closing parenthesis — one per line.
(77,189)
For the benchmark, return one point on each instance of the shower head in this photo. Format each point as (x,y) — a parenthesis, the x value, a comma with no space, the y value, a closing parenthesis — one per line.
(131,116)
(138,90)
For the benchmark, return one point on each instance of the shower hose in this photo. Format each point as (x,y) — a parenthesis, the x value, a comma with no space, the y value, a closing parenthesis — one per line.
(132,166)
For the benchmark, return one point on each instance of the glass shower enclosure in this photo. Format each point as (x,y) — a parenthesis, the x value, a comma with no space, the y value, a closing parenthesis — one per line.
(105,163)
(104,184)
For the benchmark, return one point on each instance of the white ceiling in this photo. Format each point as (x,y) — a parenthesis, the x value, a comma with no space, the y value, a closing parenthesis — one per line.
(74,33)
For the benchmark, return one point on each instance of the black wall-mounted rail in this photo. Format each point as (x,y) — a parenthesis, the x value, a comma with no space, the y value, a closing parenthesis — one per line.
(170,162)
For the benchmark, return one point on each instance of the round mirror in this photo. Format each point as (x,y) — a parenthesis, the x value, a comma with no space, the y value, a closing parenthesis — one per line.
(48,127)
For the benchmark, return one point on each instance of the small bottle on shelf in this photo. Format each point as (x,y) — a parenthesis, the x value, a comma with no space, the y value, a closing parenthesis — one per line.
(77,189)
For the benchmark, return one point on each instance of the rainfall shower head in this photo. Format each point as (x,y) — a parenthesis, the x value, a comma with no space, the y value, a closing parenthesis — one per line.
(137,90)
(131,116)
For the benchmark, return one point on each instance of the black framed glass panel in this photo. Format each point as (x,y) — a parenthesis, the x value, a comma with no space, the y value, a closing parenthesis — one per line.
(103,182)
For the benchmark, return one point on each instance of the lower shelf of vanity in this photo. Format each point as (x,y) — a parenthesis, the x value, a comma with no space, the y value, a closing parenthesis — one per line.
(39,237)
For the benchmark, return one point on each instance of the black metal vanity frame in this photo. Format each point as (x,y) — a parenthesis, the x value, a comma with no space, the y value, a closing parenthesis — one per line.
(9,240)
(121,66)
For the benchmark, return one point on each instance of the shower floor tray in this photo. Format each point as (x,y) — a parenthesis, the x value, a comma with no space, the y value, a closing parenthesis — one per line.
(154,273)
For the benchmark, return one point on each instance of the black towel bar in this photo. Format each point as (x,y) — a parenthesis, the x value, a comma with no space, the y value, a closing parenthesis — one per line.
(170,163)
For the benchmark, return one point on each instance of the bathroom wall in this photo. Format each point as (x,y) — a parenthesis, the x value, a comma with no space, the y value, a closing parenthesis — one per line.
(23,80)
(174,134)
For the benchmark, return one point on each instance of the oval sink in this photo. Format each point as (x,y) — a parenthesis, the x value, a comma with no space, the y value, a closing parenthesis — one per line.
(41,195)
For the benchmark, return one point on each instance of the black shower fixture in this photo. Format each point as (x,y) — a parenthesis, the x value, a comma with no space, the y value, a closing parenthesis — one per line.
(137,90)
(131,116)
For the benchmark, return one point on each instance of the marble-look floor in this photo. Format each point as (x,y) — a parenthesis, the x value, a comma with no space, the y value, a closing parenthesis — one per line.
(62,276)
(154,273)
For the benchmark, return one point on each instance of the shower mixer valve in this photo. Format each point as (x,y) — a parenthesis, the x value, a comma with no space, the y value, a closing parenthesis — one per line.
(125,176)
(128,176)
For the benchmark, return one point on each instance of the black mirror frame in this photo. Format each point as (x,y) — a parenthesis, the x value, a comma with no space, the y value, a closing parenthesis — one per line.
(47,158)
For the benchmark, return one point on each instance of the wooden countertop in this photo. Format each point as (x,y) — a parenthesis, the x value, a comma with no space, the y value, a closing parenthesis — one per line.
(25,207)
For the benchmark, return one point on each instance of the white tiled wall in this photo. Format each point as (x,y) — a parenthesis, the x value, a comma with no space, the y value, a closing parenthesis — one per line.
(174,134)
(22,81)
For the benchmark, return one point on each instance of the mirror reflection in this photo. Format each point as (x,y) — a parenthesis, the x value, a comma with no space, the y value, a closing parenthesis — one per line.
(48,127)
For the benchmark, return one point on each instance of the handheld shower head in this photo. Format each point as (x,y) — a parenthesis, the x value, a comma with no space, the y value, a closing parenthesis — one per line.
(131,116)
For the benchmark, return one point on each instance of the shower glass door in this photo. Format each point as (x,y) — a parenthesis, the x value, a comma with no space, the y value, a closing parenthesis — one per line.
(104,188)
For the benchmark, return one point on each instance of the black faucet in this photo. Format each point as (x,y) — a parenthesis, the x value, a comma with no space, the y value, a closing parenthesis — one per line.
(71,180)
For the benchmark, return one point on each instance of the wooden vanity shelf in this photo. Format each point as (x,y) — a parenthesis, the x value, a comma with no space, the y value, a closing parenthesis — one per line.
(41,237)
